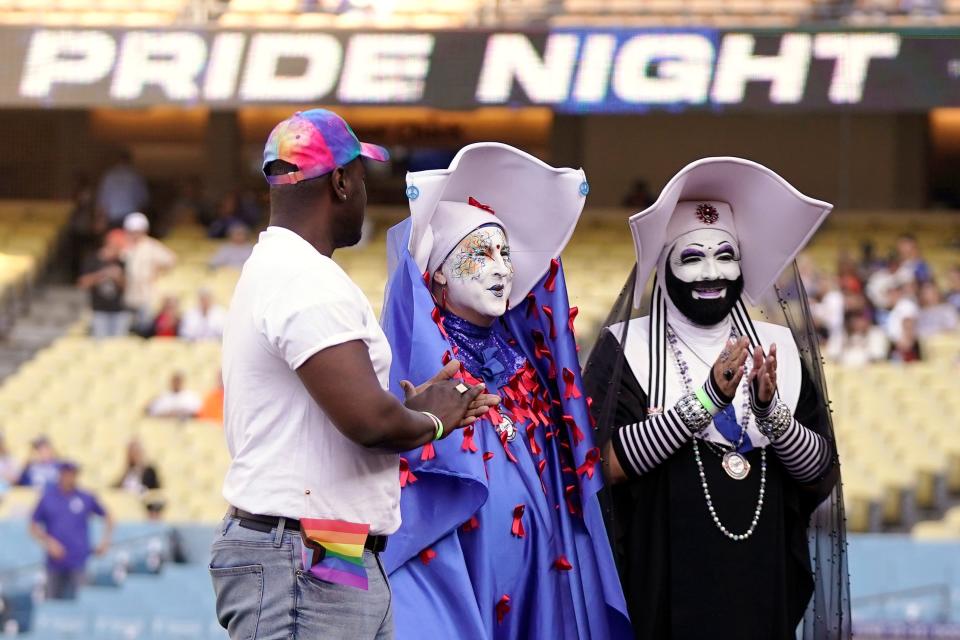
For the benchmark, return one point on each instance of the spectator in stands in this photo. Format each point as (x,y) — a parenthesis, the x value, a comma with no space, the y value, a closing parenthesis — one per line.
(42,468)
(907,347)
(903,306)
(146,259)
(236,251)
(212,408)
(9,469)
(827,312)
(85,228)
(166,324)
(191,205)
(177,402)
(104,277)
(880,288)
(860,343)
(913,268)
(953,286)
(122,190)
(228,214)
(236,207)
(205,321)
(60,524)
(935,316)
(139,475)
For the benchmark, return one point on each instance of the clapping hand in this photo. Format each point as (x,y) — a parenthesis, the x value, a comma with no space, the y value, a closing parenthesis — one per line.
(763,376)
(728,369)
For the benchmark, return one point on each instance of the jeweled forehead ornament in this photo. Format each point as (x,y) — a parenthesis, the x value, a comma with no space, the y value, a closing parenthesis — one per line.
(707,213)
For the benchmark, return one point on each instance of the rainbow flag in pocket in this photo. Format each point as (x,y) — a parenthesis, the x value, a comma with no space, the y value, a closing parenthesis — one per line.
(337,551)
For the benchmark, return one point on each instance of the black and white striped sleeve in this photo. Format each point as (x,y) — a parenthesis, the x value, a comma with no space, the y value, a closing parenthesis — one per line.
(642,446)
(804,453)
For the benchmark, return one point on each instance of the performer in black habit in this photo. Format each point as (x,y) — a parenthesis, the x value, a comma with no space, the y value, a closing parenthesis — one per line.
(725,511)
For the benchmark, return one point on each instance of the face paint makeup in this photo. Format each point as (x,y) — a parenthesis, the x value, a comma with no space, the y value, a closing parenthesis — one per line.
(703,275)
(479,276)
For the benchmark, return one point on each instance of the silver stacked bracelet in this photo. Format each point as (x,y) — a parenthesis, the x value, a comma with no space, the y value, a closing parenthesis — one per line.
(693,414)
(776,421)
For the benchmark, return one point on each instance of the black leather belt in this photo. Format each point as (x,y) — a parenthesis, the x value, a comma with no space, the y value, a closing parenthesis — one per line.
(254,521)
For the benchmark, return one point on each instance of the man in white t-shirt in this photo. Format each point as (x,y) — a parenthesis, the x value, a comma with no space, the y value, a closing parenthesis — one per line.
(313,433)
(204,321)
(176,402)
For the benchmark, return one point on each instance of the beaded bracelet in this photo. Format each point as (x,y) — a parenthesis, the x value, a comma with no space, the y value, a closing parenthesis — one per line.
(775,422)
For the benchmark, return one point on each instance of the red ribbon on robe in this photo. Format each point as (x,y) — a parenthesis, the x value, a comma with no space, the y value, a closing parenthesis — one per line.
(593,457)
(427,555)
(468,444)
(438,320)
(502,608)
(573,314)
(493,415)
(426,277)
(532,437)
(569,492)
(506,447)
(548,311)
(406,475)
(593,421)
(570,390)
(541,350)
(470,525)
(517,527)
(428,452)
(487,456)
(473,202)
(573,429)
(532,311)
(550,283)
(562,564)
(447,357)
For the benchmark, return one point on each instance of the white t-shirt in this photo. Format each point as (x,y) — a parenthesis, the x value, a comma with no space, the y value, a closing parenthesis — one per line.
(288,458)
(196,325)
(175,403)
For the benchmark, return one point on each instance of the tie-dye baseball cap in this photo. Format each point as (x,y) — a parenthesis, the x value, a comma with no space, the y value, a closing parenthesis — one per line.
(317,142)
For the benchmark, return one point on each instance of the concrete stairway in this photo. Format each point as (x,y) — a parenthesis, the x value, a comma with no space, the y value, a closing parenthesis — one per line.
(53,310)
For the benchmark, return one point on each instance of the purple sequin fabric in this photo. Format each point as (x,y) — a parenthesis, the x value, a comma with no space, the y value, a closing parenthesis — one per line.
(486,352)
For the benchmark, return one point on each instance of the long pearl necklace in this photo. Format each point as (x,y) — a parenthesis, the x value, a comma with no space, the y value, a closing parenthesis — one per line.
(683,370)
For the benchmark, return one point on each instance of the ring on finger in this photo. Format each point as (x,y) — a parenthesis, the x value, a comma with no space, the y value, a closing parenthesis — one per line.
(462,388)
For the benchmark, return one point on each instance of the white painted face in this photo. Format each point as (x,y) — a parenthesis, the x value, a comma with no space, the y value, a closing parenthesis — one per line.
(706,255)
(479,275)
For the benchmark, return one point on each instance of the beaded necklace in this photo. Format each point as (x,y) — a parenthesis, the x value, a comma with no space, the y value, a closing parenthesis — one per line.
(683,370)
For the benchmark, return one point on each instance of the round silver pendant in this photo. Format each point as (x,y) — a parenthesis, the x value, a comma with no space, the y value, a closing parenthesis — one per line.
(506,426)
(735,465)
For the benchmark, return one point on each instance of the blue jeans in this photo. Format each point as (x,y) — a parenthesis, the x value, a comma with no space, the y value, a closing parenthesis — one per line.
(110,324)
(263,591)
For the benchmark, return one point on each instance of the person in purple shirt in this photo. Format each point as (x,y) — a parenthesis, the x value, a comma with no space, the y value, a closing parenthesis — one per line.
(60,524)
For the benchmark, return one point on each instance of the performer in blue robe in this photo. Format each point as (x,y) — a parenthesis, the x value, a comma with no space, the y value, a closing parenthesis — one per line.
(502,535)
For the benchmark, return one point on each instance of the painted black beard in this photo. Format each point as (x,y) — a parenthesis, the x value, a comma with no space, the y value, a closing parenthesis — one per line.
(705,313)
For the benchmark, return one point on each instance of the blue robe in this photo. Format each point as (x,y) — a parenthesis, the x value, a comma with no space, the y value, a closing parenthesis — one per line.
(502,535)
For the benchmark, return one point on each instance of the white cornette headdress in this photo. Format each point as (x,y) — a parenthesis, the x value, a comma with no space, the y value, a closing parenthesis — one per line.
(768,217)
(537,205)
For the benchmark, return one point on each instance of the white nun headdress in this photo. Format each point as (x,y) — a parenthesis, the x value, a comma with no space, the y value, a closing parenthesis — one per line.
(768,217)
(537,205)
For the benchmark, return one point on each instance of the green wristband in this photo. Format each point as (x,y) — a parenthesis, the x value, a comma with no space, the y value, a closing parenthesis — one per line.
(437,422)
(707,403)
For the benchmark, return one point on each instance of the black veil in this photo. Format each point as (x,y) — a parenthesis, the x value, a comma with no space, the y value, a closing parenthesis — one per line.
(828,613)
